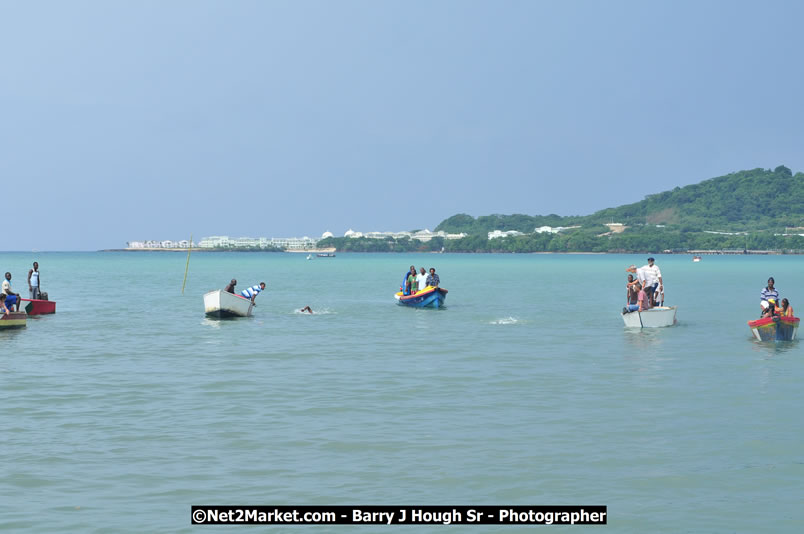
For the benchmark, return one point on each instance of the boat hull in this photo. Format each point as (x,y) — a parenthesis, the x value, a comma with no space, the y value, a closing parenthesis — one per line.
(38,307)
(653,318)
(222,305)
(13,320)
(775,328)
(430,297)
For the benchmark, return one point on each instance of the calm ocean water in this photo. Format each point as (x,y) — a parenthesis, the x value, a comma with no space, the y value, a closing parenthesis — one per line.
(127,406)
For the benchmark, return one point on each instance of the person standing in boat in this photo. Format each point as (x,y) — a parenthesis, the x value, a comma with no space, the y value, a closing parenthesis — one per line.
(407,289)
(769,293)
(11,297)
(631,292)
(653,279)
(231,287)
(432,278)
(34,282)
(421,279)
(253,291)
(658,296)
(412,284)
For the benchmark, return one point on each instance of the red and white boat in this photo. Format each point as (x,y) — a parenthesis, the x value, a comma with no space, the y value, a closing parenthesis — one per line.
(37,306)
(775,328)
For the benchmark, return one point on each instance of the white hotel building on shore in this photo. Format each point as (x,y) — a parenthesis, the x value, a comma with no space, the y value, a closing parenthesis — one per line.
(305,243)
(284,243)
(420,235)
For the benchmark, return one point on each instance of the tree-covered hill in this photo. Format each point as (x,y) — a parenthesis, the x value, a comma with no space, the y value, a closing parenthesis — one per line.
(758,199)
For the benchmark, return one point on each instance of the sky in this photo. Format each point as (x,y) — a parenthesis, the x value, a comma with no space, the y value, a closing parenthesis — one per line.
(123,121)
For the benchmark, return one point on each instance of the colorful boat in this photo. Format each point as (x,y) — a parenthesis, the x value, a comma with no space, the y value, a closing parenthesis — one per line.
(38,307)
(13,320)
(653,318)
(429,297)
(221,304)
(774,328)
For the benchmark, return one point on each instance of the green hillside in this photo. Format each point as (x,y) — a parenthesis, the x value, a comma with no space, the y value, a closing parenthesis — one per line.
(743,210)
(752,200)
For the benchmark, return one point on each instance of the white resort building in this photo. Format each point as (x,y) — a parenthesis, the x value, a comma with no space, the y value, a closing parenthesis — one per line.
(420,235)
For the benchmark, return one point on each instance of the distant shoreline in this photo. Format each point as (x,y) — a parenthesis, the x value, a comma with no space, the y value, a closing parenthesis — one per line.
(333,250)
(196,249)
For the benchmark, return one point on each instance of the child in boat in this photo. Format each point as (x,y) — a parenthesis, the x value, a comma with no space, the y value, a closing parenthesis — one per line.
(770,310)
(630,291)
(3,308)
(658,296)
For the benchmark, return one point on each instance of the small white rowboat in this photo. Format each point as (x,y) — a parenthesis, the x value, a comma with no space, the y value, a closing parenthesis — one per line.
(652,318)
(220,304)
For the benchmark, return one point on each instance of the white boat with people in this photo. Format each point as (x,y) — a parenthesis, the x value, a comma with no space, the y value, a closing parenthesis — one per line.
(644,297)
(657,317)
(222,304)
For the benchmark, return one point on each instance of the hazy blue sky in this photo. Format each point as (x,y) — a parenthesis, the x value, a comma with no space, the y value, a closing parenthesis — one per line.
(124,120)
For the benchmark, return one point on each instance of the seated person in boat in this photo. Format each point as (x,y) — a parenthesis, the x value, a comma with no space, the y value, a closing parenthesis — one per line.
(433,279)
(231,287)
(643,301)
(253,291)
(769,309)
(787,309)
(11,297)
(3,309)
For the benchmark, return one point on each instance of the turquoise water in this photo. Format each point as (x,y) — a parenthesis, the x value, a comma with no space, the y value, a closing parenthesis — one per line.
(127,406)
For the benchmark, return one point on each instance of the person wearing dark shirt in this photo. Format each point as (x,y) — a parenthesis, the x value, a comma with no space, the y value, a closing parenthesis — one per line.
(231,287)
(631,293)
(432,279)
(770,293)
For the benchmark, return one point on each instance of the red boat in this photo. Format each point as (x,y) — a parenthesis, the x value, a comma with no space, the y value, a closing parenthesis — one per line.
(775,328)
(38,307)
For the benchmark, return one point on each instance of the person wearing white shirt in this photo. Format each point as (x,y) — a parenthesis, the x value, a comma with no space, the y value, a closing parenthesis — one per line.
(653,279)
(421,279)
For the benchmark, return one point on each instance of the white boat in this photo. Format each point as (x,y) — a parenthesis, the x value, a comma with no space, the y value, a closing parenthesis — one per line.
(219,303)
(652,318)
(696,258)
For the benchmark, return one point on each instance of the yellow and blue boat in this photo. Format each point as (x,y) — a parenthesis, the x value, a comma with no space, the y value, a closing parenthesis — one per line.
(429,297)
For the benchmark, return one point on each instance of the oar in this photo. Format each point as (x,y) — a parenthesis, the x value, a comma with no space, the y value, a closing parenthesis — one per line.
(187,267)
